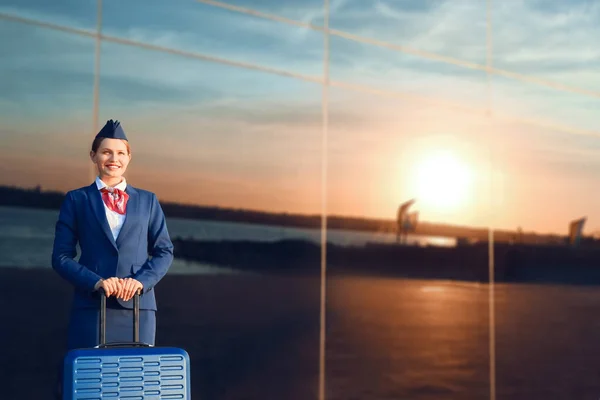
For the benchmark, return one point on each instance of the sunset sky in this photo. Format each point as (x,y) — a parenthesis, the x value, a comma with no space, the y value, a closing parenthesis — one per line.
(214,134)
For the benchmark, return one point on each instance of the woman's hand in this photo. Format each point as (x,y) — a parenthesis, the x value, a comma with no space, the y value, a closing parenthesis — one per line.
(112,286)
(130,287)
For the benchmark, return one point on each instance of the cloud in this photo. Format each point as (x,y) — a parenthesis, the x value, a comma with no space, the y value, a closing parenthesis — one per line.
(206,118)
(548,39)
(544,38)
(307,11)
(211,30)
(453,28)
(527,39)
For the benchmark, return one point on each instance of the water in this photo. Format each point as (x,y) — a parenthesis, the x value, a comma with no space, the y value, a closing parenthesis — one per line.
(413,339)
(385,339)
(26,237)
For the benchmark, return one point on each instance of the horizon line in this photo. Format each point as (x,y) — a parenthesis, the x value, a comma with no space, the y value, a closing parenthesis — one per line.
(387,221)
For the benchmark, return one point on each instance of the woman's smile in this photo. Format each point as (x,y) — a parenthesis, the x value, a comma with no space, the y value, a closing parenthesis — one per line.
(113,167)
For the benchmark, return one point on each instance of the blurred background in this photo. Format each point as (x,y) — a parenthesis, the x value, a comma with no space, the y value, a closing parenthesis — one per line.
(368,200)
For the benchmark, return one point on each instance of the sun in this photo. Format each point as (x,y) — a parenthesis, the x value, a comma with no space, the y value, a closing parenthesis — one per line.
(442,181)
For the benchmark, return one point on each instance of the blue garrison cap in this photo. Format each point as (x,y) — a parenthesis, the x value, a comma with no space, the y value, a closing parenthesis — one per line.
(112,130)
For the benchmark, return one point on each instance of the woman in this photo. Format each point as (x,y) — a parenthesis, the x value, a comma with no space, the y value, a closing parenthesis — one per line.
(117,227)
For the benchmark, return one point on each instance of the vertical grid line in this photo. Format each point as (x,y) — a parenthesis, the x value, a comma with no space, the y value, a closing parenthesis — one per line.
(324,134)
(491,264)
(97,75)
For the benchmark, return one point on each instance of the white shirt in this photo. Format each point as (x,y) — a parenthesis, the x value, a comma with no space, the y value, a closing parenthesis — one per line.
(115,220)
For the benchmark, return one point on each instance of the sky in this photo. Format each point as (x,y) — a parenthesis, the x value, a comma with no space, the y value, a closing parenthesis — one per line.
(211,133)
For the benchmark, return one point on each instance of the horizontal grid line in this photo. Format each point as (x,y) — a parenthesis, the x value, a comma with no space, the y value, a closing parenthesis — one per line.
(163,49)
(206,57)
(466,109)
(312,79)
(410,50)
(259,14)
(41,24)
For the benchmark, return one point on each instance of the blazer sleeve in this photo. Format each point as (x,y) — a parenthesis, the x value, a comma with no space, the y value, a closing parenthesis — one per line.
(160,248)
(64,249)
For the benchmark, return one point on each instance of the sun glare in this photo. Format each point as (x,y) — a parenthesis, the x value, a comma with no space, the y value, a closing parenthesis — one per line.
(443,181)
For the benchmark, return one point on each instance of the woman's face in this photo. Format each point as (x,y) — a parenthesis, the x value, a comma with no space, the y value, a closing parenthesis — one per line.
(112,158)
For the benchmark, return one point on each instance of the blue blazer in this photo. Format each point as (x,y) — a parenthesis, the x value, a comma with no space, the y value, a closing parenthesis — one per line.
(82,220)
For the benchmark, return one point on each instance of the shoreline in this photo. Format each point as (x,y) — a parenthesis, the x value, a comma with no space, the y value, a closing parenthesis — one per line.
(50,200)
(470,263)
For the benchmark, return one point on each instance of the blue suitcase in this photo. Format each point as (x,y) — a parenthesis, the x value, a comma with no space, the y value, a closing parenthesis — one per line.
(126,370)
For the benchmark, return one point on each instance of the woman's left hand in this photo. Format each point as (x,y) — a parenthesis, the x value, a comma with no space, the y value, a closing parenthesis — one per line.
(130,287)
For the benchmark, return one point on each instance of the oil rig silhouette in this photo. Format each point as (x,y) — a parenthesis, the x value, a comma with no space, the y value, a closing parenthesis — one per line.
(407,222)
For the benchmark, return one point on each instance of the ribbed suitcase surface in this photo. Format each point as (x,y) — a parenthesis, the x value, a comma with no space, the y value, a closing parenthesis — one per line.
(127,373)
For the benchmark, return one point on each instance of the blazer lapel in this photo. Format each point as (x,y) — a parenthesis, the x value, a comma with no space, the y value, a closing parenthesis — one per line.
(98,208)
(130,215)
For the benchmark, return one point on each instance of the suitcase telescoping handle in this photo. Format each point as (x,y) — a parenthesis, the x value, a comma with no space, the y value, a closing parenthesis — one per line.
(136,323)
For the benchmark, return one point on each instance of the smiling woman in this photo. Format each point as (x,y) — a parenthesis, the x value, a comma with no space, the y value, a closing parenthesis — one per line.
(108,219)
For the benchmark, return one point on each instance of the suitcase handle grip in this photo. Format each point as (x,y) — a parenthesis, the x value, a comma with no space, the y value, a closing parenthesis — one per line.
(124,344)
(136,318)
